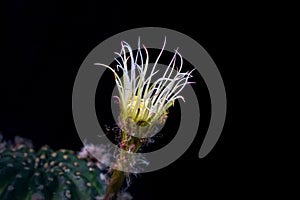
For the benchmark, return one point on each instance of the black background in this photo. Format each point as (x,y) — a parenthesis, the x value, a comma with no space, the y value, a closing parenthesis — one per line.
(43,45)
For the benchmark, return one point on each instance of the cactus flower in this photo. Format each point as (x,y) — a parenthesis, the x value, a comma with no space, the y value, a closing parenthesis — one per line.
(143,100)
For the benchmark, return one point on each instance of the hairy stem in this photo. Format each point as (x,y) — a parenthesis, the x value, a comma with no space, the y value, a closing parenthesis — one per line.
(115,185)
(118,177)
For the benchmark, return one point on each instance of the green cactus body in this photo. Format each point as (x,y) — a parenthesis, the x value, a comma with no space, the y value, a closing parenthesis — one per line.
(47,174)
